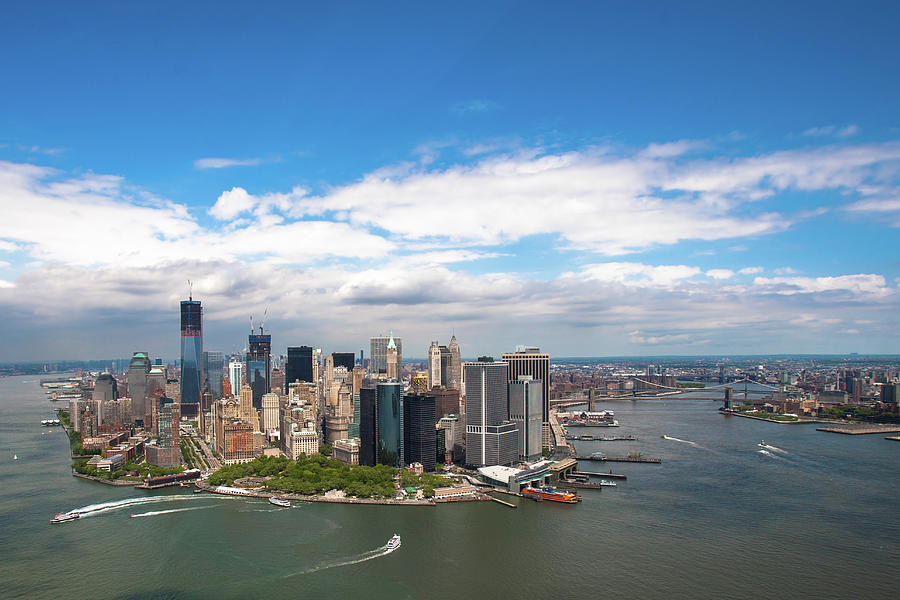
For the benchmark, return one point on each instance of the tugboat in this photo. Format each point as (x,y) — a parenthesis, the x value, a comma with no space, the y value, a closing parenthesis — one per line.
(280,502)
(393,543)
(63,517)
(552,494)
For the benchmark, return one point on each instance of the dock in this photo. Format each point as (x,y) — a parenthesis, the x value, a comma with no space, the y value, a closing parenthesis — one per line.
(895,438)
(861,429)
(571,485)
(599,438)
(629,459)
(503,502)
(610,475)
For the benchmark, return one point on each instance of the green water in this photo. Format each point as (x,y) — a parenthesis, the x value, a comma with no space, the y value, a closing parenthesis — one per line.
(717,519)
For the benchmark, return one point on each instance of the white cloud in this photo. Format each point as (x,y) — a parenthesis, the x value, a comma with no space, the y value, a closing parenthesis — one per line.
(224,163)
(861,284)
(232,203)
(720,273)
(637,274)
(6,284)
(832,130)
(750,270)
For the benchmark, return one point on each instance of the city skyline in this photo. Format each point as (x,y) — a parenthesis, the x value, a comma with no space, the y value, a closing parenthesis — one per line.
(409,173)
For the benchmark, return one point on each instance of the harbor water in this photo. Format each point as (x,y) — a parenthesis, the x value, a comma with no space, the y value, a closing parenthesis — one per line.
(811,515)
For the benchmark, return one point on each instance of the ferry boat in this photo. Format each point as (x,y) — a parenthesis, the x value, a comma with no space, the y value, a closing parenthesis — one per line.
(280,502)
(552,494)
(63,517)
(393,543)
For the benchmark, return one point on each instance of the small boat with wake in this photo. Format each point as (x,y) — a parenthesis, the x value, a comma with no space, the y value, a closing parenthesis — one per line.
(280,502)
(393,543)
(63,517)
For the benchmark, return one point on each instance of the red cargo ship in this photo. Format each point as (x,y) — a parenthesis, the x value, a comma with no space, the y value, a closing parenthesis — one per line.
(552,494)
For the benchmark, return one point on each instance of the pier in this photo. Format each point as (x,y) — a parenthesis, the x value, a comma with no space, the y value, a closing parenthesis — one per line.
(503,502)
(861,429)
(631,458)
(599,438)
(610,475)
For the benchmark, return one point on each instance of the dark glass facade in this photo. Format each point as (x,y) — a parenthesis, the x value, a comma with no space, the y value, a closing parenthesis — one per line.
(367,446)
(299,364)
(191,352)
(344,359)
(419,438)
(259,368)
(389,424)
(214,370)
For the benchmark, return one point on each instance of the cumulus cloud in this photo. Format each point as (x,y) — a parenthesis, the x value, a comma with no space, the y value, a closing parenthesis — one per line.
(861,284)
(750,270)
(720,273)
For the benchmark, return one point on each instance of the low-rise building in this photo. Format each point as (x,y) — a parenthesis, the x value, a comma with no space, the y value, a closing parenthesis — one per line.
(346,451)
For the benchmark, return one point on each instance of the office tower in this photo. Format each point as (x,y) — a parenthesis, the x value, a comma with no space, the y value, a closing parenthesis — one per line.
(299,364)
(259,365)
(454,381)
(419,383)
(888,393)
(104,389)
(392,359)
(277,380)
(419,442)
(389,423)
(236,376)
(214,373)
(166,451)
(531,361)
(353,429)
(270,404)
(491,439)
(525,410)
(378,352)
(446,402)
(454,436)
(138,370)
(192,376)
(367,445)
(245,402)
(156,381)
(344,359)
(361,358)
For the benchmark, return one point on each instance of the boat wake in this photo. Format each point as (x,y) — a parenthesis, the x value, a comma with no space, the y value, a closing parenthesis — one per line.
(105,507)
(675,439)
(769,454)
(775,449)
(154,513)
(370,555)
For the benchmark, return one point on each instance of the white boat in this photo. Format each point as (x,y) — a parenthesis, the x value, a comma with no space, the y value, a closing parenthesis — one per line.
(63,517)
(15,457)
(393,543)
(280,502)
(763,444)
(607,483)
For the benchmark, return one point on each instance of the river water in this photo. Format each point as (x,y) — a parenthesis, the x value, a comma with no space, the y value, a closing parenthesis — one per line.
(816,518)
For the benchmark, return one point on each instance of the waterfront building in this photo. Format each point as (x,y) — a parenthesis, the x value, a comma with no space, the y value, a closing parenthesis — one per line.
(525,410)
(166,452)
(259,365)
(214,373)
(346,451)
(138,371)
(236,376)
(192,376)
(378,352)
(367,444)
(389,423)
(491,439)
(531,361)
(419,441)
(299,366)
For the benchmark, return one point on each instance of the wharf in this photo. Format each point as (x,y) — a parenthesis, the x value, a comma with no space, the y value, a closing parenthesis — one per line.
(628,459)
(571,485)
(895,438)
(860,429)
(611,475)
(599,438)
(503,502)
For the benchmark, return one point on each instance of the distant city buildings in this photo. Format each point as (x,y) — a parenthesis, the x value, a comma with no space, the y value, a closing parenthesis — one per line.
(258,365)
(378,352)
(527,360)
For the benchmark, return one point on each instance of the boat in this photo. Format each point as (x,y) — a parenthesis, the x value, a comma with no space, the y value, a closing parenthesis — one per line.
(63,517)
(606,483)
(280,502)
(198,491)
(15,457)
(393,543)
(552,494)
(763,444)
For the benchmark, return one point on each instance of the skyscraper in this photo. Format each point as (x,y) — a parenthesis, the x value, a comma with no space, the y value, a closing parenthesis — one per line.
(454,381)
(525,410)
(378,352)
(367,446)
(138,370)
(528,360)
(419,441)
(491,439)
(344,359)
(299,364)
(392,359)
(236,376)
(214,372)
(389,423)
(191,356)
(259,367)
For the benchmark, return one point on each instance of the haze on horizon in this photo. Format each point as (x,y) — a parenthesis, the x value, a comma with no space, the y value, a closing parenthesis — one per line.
(594,179)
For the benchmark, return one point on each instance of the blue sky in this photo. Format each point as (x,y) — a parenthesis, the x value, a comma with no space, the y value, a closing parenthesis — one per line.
(598,179)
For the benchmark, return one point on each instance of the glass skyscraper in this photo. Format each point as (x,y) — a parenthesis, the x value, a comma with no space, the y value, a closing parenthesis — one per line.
(214,370)
(299,364)
(259,366)
(191,356)
(389,423)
